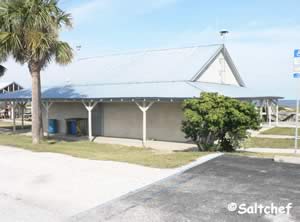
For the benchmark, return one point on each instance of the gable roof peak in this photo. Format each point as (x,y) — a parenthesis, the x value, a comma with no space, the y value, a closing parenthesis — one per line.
(221,50)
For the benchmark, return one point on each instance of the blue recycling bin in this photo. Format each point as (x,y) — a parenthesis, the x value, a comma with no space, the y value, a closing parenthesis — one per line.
(73,127)
(52,126)
(77,126)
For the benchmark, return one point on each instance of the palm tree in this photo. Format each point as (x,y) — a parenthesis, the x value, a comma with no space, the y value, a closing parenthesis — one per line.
(29,33)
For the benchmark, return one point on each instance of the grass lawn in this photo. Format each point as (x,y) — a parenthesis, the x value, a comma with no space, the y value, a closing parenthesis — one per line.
(286,131)
(94,151)
(269,143)
(9,125)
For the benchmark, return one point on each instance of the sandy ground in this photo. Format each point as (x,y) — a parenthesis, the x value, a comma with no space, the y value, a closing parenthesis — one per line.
(52,187)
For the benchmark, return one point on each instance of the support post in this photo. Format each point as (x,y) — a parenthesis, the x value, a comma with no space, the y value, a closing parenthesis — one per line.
(277,114)
(90,106)
(13,114)
(269,113)
(261,110)
(47,106)
(22,114)
(144,107)
(11,111)
(22,106)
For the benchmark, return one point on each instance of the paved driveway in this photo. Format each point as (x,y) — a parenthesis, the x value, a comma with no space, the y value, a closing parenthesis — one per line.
(51,187)
(203,193)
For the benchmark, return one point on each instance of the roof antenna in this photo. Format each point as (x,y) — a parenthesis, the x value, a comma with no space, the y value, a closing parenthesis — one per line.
(68,82)
(223,34)
(77,51)
(78,47)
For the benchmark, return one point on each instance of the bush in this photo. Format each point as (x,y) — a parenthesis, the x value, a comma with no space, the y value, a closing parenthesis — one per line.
(216,122)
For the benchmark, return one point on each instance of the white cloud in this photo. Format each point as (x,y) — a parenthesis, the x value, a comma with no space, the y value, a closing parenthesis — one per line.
(273,34)
(89,10)
(265,58)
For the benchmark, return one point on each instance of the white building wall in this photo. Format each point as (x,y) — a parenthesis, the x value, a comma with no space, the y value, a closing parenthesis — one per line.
(124,120)
(164,122)
(219,72)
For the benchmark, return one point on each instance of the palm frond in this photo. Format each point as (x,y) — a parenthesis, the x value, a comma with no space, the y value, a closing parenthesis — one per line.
(63,53)
(29,31)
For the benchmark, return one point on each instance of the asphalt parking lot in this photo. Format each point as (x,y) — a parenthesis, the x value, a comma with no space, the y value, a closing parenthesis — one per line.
(204,192)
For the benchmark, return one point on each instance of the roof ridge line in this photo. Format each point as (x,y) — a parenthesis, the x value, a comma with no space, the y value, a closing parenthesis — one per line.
(116,83)
(191,84)
(215,83)
(147,50)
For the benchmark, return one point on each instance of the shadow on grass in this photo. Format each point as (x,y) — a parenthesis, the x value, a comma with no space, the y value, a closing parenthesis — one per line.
(26,127)
(53,139)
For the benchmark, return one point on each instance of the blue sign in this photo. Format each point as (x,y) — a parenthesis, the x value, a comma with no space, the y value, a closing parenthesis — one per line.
(296,75)
(296,53)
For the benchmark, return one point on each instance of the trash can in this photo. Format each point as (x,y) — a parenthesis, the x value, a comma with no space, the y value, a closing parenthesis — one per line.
(77,126)
(52,126)
(72,126)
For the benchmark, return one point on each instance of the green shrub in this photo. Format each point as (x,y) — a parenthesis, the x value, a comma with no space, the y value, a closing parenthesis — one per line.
(216,122)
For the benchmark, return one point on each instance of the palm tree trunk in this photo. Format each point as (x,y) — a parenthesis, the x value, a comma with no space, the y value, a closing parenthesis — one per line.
(41,128)
(36,105)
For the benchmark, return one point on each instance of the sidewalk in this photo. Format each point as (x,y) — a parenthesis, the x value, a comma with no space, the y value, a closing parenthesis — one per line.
(273,136)
(270,150)
(158,145)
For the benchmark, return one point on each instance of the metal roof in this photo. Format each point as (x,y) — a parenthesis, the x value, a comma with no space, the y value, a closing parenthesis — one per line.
(149,74)
(174,64)
(6,84)
(175,90)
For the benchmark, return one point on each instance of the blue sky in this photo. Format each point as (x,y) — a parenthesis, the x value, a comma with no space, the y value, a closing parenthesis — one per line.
(119,24)
(263,33)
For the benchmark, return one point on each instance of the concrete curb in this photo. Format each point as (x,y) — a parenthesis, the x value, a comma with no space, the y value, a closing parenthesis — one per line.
(199,161)
(178,171)
(287,159)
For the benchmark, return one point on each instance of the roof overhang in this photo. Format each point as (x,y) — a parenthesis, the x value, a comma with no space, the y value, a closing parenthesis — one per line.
(135,99)
(150,91)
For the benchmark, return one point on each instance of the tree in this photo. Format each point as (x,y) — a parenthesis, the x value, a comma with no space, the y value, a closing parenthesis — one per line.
(29,32)
(218,122)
